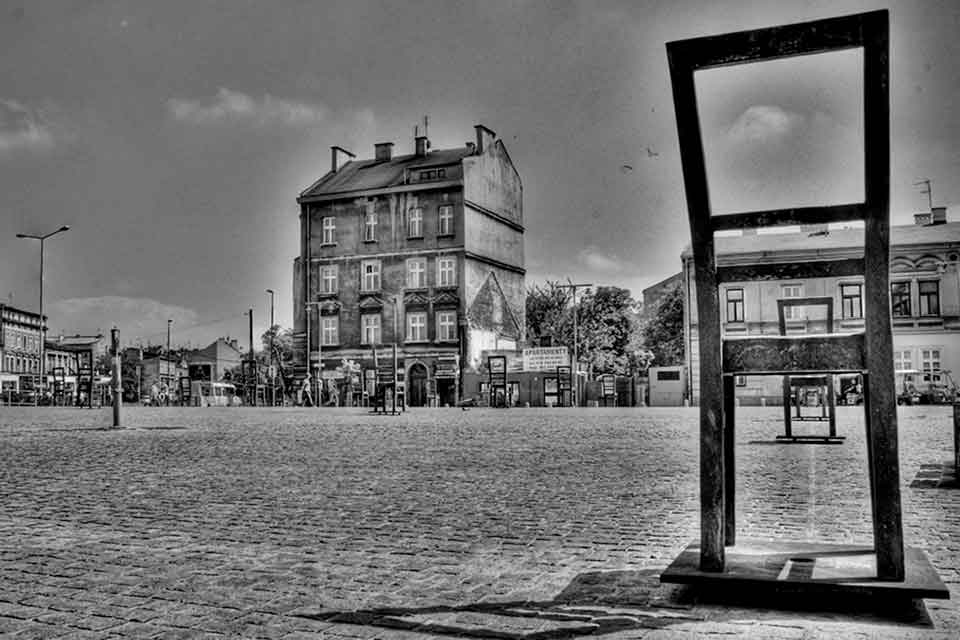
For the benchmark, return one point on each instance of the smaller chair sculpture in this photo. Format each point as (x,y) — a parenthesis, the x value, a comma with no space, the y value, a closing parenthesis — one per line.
(795,386)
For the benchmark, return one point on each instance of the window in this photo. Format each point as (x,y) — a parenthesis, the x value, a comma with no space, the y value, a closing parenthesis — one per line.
(446,326)
(433,174)
(329,330)
(328,278)
(370,225)
(416,273)
(370,274)
(415,223)
(734,305)
(329,231)
(851,301)
(929,360)
(792,291)
(741,381)
(900,299)
(416,326)
(929,297)
(446,272)
(445,221)
(370,328)
(902,360)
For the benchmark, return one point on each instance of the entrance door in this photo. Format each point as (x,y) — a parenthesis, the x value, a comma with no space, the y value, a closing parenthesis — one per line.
(417,386)
(447,392)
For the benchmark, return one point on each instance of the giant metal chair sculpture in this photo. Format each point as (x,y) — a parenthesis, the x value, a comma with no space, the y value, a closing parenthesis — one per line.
(803,566)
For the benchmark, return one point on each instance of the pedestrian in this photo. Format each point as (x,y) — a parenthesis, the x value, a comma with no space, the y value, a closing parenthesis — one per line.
(304,395)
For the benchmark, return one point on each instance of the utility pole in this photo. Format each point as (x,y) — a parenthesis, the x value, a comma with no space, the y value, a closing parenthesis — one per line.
(273,399)
(573,289)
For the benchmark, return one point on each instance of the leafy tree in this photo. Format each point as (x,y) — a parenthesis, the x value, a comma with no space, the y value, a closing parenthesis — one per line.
(663,333)
(606,325)
(548,314)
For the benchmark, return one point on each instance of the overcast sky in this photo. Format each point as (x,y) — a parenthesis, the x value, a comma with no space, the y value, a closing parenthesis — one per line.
(174,137)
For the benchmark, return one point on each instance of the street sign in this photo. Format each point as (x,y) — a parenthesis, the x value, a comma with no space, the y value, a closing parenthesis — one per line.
(545,358)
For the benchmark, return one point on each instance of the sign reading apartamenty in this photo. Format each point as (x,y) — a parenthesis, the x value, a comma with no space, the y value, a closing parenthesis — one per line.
(545,358)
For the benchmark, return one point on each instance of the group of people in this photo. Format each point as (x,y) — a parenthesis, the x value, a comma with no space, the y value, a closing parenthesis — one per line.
(328,395)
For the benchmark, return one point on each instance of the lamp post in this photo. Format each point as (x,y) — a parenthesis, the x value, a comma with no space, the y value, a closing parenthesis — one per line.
(319,371)
(573,386)
(169,384)
(273,399)
(43,324)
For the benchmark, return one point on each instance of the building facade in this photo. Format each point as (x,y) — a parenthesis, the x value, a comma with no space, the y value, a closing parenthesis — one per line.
(924,294)
(20,337)
(424,251)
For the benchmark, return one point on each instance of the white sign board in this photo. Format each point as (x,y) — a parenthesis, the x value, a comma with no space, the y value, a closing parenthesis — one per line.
(545,358)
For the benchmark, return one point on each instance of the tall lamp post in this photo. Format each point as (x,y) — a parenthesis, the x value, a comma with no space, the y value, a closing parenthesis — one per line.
(170,377)
(319,371)
(576,356)
(273,399)
(43,324)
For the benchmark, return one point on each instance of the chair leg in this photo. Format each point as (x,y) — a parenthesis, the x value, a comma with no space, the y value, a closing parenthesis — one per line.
(832,406)
(729,468)
(787,426)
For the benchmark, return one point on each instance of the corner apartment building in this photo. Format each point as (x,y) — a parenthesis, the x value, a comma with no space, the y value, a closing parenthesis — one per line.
(423,250)
(924,295)
(19,348)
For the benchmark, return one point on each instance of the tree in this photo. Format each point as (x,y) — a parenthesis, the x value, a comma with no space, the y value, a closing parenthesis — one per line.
(606,324)
(548,314)
(663,333)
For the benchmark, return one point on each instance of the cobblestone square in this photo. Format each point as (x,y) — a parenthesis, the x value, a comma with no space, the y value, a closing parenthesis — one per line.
(303,523)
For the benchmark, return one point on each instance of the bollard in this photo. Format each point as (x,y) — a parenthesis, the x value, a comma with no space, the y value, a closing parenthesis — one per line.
(117,384)
(763,401)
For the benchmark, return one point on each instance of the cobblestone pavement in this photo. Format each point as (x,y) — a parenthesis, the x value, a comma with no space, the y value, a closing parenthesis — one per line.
(293,523)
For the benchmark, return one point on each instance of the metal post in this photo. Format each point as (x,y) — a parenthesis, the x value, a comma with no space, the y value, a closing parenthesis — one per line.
(167,398)
(574,396)
(43,324)
(117,384)
(253,362)
(396,385)
(273,399)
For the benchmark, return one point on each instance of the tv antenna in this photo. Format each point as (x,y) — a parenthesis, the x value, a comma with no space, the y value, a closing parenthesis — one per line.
(929,190)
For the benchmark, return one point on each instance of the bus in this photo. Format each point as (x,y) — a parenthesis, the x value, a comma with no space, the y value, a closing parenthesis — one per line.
(213,394)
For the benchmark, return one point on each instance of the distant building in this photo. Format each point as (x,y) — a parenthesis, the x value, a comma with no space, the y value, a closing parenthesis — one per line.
(924,295)
(211,362)
(423,250)
(19,348)
(653,294)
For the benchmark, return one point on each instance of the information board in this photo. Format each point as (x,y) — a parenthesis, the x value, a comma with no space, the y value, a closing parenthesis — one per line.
(545,358)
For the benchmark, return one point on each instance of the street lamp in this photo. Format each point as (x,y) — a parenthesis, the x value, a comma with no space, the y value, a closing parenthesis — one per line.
(43,324)
(273,399)
(316,382)
(169,377)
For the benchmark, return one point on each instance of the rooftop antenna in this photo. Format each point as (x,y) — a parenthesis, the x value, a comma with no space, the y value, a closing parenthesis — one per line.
(426,125)
(929,190)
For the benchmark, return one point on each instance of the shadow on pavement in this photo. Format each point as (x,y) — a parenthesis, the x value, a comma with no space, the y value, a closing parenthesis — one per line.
(598,603)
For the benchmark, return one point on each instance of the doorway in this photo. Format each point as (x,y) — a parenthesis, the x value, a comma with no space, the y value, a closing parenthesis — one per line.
(417,386)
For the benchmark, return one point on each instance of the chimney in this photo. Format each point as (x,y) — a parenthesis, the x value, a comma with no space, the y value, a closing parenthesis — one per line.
(938,215)
(335,158)
(485,137)
(383,151)
(422,143)
(472,146)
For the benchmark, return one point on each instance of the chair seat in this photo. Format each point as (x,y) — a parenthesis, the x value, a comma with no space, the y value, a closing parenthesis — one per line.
(807,354)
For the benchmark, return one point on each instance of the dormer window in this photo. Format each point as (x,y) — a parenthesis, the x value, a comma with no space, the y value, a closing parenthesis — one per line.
(433,174)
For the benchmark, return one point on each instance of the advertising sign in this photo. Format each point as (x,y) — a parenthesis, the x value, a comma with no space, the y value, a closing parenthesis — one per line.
(609,386)
(545,358)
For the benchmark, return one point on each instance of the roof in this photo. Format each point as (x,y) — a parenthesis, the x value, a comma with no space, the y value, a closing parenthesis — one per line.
(900,236)
(73,343)
(357,175)
(216,351)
